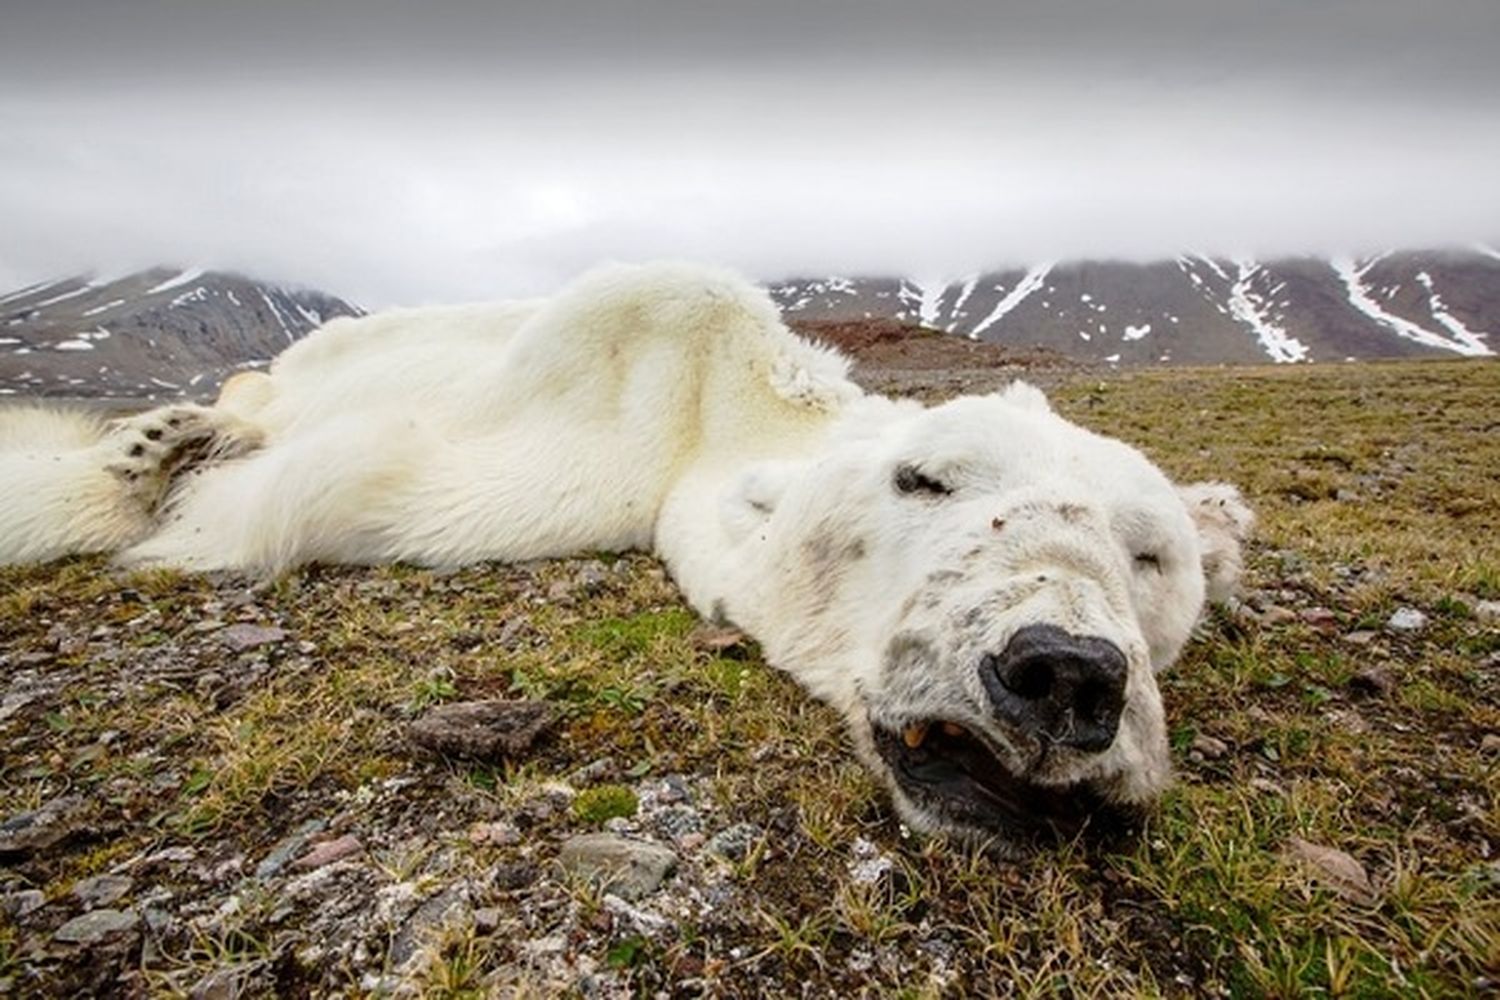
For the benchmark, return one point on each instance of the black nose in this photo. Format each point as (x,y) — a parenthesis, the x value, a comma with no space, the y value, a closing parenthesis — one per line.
(1059,687)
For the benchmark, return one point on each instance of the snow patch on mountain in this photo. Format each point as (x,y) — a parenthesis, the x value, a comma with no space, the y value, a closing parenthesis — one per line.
(1029,283)
(1249,308)
(1352,274)
(177,280)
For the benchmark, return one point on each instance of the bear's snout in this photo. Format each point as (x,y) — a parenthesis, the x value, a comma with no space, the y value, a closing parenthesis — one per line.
(1058,687)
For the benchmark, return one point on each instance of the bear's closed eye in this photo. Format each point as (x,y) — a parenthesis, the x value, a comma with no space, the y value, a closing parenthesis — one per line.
(911,480)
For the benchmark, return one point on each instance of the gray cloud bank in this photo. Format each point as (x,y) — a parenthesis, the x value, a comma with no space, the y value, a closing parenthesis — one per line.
(406,153)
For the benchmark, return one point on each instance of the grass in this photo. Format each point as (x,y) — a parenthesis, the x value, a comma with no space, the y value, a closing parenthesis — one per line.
(1376,486)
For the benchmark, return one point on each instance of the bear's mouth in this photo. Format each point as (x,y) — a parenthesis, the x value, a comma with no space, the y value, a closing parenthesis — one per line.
(957,776)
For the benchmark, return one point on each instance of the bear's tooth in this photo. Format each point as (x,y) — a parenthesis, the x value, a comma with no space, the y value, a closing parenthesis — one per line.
(953,729)
(915,734)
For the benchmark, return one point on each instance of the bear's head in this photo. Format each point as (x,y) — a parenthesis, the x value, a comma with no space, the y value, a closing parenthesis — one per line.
(986,591)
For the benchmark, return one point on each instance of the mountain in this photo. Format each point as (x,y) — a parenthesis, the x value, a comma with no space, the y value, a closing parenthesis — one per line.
(1193,309)
(158,334)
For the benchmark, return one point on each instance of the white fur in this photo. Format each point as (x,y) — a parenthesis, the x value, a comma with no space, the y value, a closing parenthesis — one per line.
(665,407)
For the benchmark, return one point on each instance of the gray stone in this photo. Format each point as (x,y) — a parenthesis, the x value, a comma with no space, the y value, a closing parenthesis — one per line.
(1487,612)
(41,828)
(1373,680)
(445,911)
(102,890)
(631,869)
(329,851)
(735,842)
(18,904)
(676,822)
(1406,620)
(286,849)
(1360,637)
(1209,746)
(483,730)
(1277,615)
(241,638)
(96,926)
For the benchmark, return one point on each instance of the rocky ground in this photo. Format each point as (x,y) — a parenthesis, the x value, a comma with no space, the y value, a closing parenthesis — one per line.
(551,779)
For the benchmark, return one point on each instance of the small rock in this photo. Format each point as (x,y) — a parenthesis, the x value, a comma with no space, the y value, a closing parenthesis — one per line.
(593,771)
(447,910)
(171,856)
(668,790)
(286,849)
(483,730)
(1209,746)
(631,869)
(514,875)
(18,904)
(497,834)
(734,843)
(97,925)
(241,638)
(1277,615)
(487,919)
(593,577)
(1322,619)
(676,822)
(41,828)
(1406,620)
(329,851)
(1487,612)
(1373,680)
(102,890)
(1335,869)
(717,639)
(1361,637)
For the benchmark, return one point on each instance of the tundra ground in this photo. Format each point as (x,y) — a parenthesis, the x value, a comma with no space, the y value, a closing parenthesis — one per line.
(209,785)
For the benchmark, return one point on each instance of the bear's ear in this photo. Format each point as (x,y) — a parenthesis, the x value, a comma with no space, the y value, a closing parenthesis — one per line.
(1224,522)
(1026,396)
(754,497)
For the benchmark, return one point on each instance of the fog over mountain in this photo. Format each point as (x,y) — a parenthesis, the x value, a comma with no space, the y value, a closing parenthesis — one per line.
(403,153)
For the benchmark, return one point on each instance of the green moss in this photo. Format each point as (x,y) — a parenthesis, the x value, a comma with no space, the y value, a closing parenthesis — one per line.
(595,805)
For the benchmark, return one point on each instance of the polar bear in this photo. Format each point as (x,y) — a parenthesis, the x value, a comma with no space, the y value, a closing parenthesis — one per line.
(984,590)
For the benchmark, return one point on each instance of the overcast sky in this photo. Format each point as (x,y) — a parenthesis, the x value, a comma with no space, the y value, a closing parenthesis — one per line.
(433,151)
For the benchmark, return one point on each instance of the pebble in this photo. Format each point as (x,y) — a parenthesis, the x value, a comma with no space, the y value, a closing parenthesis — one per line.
(1406,620)
(1322,619)
(677,822)
(1487,612)
(102,890)
(487,919)
(329,851)
(631,869)
(448,909)
(1362,637)
(241,638)
(1335,869)
(286,849)
(41,828)
(734,843)
(496,834)
(483,730)
(19,904)
(1209,746)
(1277,615)
(95,926)
(1373,680)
